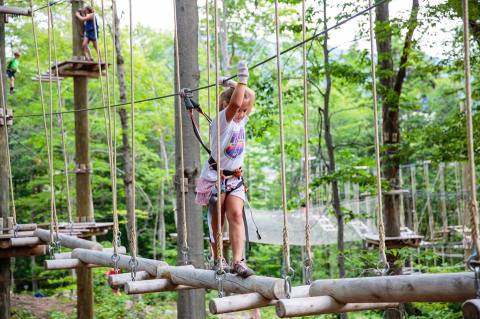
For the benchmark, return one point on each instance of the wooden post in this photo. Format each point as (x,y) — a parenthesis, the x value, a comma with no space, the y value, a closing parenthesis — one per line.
(5,274)
(190,303)
(445,287)
(309,306)
(82,158)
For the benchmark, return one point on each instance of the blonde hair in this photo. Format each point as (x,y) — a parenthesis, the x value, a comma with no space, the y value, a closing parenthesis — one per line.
(225,96)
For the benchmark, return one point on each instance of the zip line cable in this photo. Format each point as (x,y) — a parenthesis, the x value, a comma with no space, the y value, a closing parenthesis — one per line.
(297,45)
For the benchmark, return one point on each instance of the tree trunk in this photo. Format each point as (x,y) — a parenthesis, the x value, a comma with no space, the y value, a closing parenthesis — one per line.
(190,303)
(122,112)
(5,275)
(390,89)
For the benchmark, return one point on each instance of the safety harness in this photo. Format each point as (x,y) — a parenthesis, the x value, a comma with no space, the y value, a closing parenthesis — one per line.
(191,105)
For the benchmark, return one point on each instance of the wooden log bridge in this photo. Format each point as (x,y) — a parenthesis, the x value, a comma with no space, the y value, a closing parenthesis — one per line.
(68,255)
(446,287)
(101,258)
(270,288)
(320,305)
(68,241)
(249,301)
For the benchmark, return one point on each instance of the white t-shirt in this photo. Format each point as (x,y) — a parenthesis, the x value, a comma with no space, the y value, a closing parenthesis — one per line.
(232,142)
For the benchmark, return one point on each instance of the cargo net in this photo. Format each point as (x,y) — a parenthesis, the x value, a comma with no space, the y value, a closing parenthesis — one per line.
(323,223)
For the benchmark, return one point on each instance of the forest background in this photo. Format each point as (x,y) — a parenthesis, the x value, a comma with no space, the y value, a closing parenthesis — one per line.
(432,125)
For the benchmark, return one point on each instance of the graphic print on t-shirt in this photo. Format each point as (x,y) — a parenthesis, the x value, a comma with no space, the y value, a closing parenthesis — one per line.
(236,144)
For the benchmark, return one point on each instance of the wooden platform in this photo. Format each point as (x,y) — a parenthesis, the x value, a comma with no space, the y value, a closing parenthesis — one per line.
(81,68)
(413,241)
(46,78)
(22,240)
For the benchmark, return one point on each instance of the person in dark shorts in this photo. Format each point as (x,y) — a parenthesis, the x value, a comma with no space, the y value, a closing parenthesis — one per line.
(90,34)
(12,69)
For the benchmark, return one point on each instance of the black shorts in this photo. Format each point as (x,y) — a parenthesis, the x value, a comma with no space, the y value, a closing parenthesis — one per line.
(11,73)
(91,35)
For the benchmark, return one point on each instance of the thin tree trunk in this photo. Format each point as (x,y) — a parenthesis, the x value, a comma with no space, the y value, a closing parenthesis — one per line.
(190,303)
(390,90)
(160,220)
(126,151)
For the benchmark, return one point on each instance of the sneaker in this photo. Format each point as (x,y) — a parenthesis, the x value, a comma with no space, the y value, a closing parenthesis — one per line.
(12,90)
(225,265)
(240,268)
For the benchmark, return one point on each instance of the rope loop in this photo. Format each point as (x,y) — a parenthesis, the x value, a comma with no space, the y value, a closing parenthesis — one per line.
(383,267)
(133,264)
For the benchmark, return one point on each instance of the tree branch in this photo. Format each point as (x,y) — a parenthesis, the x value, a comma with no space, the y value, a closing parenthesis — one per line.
(407,46)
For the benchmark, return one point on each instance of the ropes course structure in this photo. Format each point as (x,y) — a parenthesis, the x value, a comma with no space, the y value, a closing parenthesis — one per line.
(150,275)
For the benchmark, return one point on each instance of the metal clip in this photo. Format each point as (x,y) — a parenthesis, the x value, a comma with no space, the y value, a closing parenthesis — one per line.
(184,252)
(133,263)
(220,277)
(287,283)
(307,269)
(115,260)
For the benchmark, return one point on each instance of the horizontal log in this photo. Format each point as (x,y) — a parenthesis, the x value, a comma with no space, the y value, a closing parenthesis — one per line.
(25,241)
(23,251)
(68,254)
(18,235)
(16,11)
(68,241)
(320,305)
(73,263)
(22,227)
(105,259)
(120,280)
(270,288)
(149,286)
(249,301)
(445,287)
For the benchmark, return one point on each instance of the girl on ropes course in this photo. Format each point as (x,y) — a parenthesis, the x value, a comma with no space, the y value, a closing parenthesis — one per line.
(90,24)
(235,104)
(12,69)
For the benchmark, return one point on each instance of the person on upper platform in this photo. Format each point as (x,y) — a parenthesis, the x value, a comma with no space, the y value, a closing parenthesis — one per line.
(90,34)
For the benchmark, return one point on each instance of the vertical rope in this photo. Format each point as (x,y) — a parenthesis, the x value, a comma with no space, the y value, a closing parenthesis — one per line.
(308,248)
(286,248)
(219,237)
(53,210)
(116,230)
(184,248)
(133,230)
(381,226)
(472,205)
(62,129)
(208,63)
